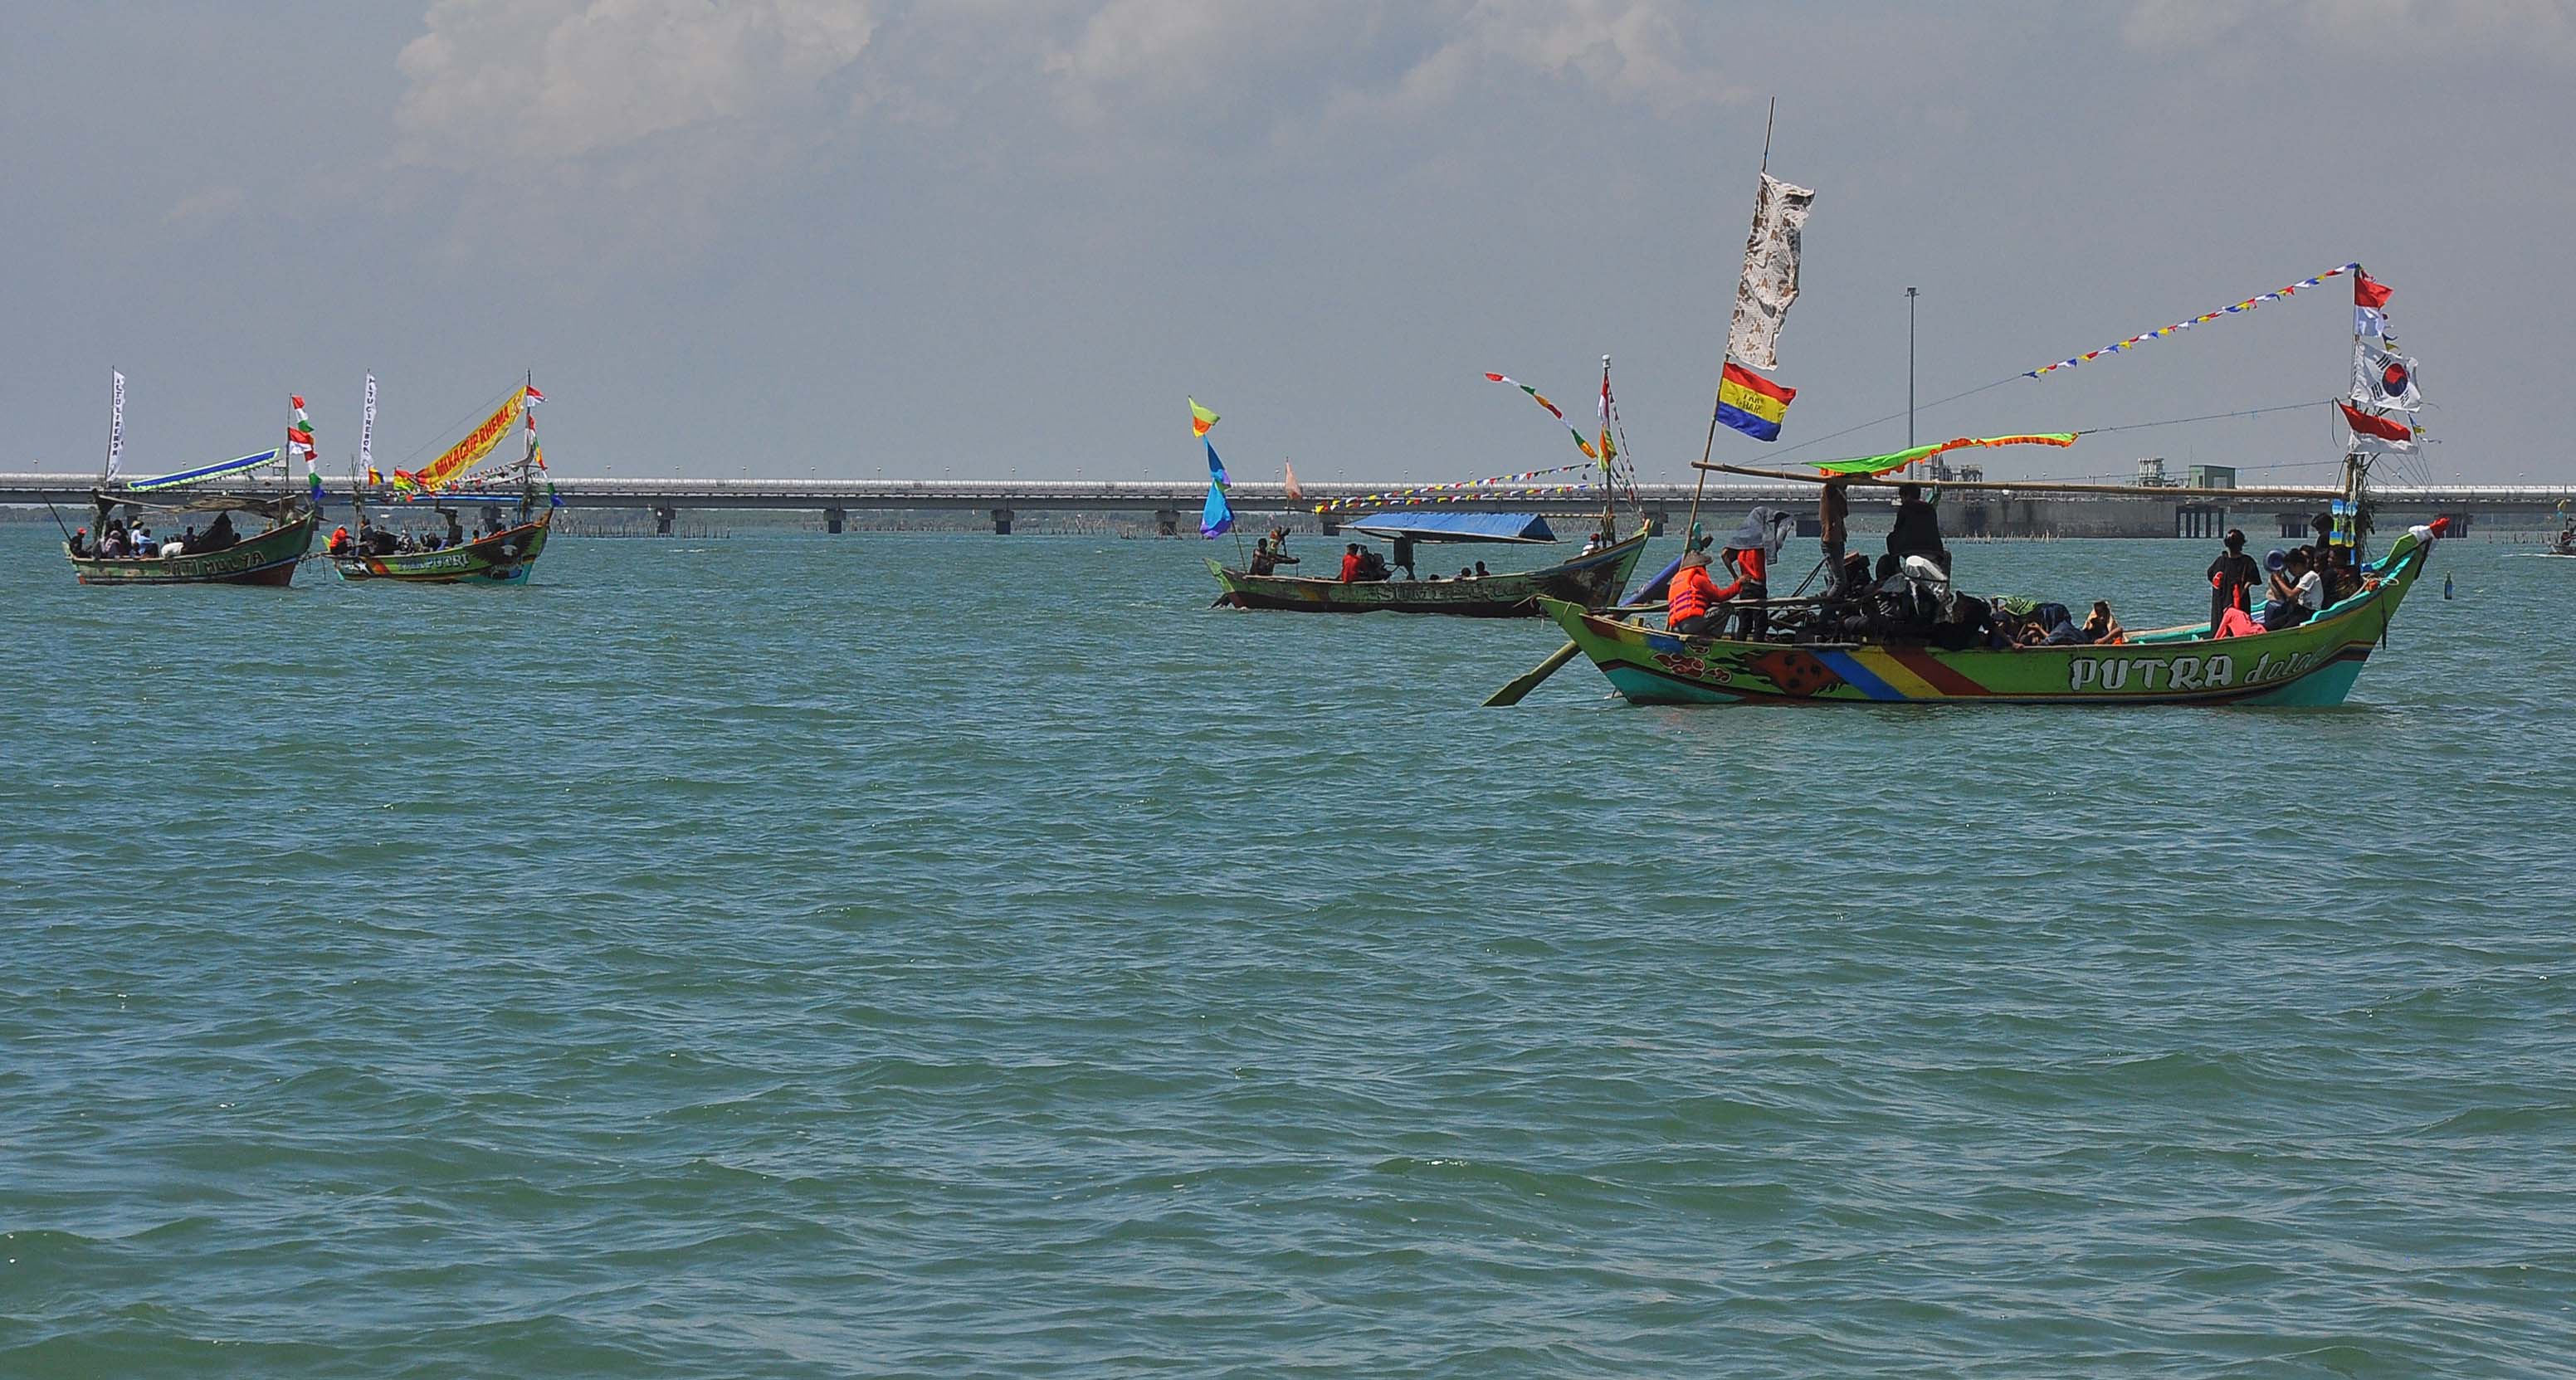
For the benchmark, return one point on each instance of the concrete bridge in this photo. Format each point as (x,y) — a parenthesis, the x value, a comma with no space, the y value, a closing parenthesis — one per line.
(1174,506)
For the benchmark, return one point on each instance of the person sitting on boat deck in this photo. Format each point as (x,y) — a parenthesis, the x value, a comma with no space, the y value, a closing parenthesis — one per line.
(339,541)
(1970,623)
(1481,571)
(2297,591)
(80,543)
(1271,552)
(1918,528)
(1593,543)
(138,539)
(1351,563)
(2100,626)
(1692,594)
(1465,574)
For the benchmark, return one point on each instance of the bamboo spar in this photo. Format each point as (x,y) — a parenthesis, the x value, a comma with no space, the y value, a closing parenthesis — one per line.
(2028,486)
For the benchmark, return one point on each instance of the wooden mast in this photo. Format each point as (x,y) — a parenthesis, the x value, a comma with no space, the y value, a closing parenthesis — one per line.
(1735,314)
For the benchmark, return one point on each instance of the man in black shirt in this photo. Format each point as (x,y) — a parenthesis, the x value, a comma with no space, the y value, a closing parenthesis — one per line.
(2231,576)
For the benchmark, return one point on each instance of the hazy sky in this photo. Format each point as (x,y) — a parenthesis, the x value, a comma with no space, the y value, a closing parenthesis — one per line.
(994,236)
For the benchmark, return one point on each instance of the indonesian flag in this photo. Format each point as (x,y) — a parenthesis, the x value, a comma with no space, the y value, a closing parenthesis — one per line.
(534,397)
(2382,434)
(2369,305)
(299,433)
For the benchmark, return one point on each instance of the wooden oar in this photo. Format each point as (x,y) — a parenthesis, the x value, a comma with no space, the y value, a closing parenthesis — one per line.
(1528,680)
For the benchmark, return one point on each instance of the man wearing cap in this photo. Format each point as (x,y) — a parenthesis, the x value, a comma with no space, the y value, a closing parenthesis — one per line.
(2231,578)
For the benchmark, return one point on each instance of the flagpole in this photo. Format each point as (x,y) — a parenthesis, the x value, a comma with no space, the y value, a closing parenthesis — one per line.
(1735,316)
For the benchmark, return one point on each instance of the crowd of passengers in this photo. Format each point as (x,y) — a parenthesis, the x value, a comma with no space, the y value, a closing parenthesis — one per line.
(372,540)
(118,541)
(1906,596)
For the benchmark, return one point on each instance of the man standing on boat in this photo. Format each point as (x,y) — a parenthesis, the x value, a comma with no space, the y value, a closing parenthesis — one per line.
(1271,552)
(2231,578)
(1833,521)
(1918,529)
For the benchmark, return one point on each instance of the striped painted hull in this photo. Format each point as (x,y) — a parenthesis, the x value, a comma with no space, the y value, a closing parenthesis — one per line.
(504,558)
(2314,664)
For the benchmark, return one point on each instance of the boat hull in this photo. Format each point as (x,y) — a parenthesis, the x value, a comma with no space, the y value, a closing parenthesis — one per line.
(267,559)
(504,558)
(1591,581)
(2314,664)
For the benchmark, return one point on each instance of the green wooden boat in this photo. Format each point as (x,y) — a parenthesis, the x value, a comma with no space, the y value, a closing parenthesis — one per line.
(504,558)
(2309,665)
(1589,581)
(268,558)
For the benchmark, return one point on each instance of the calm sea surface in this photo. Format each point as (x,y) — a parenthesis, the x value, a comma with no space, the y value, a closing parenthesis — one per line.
(949,955)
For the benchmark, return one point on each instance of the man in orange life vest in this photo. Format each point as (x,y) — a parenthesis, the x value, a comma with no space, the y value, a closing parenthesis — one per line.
(1686,603)
(1351,563)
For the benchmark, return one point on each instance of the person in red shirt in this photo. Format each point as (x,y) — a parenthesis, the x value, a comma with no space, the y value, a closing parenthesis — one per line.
(1751,586)
(1351,564)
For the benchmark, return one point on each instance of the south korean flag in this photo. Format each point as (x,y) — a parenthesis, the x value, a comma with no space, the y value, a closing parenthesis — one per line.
(2384,380)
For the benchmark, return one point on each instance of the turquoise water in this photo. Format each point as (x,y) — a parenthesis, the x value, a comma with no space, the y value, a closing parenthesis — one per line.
(796,956)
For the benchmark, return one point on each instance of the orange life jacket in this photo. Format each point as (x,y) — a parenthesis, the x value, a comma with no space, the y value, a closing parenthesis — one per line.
(1690,595)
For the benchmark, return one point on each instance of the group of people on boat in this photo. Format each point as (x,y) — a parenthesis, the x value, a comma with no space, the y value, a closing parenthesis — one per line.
(1907,594)
(118,541)
(372,540)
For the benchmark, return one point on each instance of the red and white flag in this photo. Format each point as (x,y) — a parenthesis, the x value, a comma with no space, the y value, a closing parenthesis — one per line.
(2369,305)
(534,397)
(2383,435)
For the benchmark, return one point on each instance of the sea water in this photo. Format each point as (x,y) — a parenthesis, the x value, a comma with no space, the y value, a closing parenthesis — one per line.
(795,955)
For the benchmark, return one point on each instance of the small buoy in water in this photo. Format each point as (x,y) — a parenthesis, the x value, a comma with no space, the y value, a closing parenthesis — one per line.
(2446,586)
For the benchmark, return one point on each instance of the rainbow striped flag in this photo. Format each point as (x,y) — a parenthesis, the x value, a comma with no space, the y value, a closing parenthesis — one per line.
(1751,403)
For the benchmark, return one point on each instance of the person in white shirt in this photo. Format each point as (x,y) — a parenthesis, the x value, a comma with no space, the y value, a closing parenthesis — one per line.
(2297,591)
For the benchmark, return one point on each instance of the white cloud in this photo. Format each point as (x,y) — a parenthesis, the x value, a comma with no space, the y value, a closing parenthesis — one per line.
(2534,30)
(530,80)
(205,207)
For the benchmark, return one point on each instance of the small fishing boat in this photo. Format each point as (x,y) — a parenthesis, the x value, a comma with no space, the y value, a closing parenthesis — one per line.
(108,552)
(501,555)
(2312,664)
(268,557)
(1592,580)
(1428,516)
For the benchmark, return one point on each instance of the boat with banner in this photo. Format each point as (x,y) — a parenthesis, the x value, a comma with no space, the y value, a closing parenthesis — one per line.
(118,547)
(516,516)
(1444,514)
(1904,633)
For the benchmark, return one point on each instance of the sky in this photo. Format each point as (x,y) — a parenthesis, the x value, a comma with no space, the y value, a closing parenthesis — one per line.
(998,238)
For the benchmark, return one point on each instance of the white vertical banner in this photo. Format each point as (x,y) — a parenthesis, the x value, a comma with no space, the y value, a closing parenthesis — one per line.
(1770,281)
(367,429)
(115,423)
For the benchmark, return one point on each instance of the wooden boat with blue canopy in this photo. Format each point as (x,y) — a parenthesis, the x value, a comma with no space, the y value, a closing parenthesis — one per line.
(108,552)
(1591,580)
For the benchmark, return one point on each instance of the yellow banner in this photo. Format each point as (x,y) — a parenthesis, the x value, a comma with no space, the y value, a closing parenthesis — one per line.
(477,444)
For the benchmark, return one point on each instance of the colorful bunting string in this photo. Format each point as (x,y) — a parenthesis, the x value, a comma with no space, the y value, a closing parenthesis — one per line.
(1413,498)
(1552,410)
(1457,488)
(2161,332)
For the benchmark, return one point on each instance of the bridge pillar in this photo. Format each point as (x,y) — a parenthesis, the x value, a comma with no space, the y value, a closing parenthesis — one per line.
(833,518)
(492,515)
(2199,520)
(662,516)
(2459,522)
(1167,522)
(1655,519)
(1330,523)
(1002,521)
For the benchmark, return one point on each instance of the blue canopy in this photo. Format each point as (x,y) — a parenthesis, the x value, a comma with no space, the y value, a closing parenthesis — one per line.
(1497,527)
